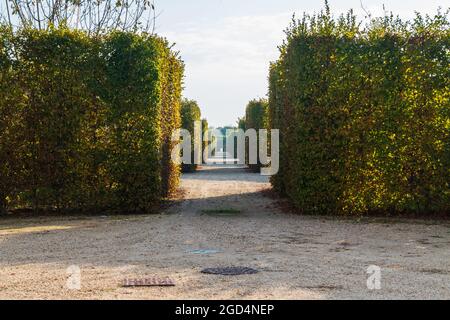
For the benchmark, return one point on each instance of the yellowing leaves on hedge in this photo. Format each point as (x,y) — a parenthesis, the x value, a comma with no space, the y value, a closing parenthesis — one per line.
(86,120)
(363,114)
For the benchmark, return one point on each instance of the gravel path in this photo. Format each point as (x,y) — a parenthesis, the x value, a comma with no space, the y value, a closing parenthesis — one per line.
(298,257)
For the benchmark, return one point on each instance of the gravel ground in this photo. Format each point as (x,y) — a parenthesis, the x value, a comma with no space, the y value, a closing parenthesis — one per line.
(298,257)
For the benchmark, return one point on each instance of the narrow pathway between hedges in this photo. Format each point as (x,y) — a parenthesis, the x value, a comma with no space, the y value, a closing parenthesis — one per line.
(228,188)
(227,213)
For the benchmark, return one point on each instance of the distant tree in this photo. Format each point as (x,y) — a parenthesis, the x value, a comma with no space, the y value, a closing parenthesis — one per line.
(94,16)
(241,123)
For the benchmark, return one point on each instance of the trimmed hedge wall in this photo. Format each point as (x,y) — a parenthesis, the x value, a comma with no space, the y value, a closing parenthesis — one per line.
(205,144)
(170,88)
(11,133)
(190,112)
(364,115)
(86,120)
(255,118)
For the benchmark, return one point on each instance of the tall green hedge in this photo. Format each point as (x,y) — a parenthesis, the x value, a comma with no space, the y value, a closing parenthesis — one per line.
(170,117)
(87,120)
(255,118)
(364,114)
(190,113)
(11,127)
(205,144)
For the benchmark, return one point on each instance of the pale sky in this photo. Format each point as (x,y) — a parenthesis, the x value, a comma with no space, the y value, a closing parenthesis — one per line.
(227,45)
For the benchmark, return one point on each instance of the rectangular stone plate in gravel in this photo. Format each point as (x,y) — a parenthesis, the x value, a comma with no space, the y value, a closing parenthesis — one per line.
(203,251)
(148,282)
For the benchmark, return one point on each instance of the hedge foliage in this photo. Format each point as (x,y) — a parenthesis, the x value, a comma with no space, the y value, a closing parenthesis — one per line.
(86,121)
(255,118)
(205,134)
(190,113)
(364,114)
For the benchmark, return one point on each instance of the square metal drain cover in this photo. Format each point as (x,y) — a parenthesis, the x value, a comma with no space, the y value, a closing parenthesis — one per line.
(148,282)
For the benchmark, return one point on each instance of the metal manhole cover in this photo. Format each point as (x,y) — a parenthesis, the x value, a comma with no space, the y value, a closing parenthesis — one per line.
(230,271)
(148,282)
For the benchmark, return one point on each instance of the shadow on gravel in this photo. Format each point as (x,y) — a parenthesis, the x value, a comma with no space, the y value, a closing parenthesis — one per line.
(226,173)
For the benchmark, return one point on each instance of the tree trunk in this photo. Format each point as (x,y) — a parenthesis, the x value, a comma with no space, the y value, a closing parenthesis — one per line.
(3,210)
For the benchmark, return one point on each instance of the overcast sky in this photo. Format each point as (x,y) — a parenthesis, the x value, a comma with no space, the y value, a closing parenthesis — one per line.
(227,44)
